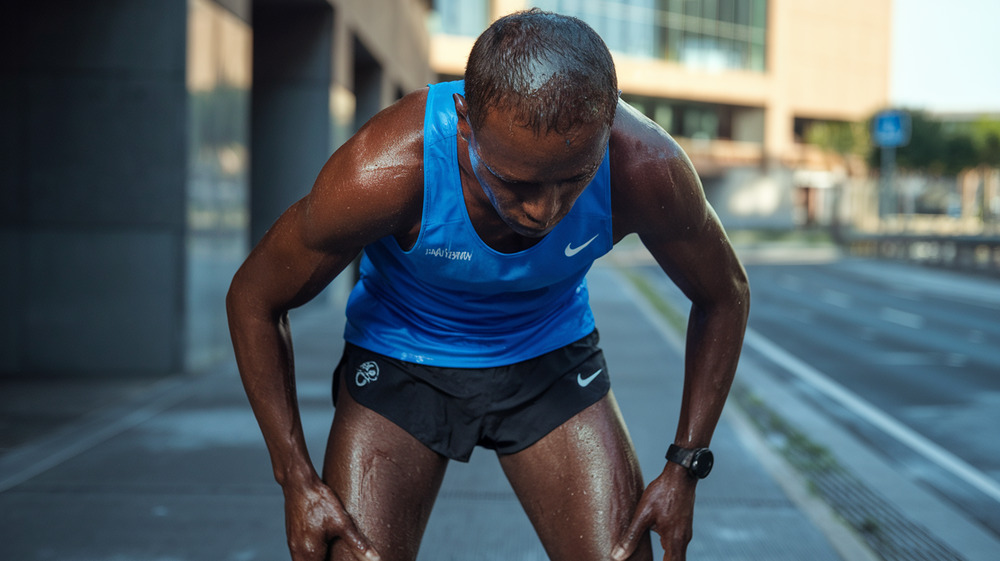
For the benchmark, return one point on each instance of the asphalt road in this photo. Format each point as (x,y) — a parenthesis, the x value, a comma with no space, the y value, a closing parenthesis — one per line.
(907,358)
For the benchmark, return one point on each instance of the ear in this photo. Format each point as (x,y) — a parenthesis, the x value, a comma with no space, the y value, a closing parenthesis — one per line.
(464,127)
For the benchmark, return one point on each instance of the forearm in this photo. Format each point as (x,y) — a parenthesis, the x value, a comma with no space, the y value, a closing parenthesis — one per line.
(263,347)
(714,342)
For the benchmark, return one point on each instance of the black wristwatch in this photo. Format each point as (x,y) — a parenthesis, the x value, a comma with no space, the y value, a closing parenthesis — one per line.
(698,461)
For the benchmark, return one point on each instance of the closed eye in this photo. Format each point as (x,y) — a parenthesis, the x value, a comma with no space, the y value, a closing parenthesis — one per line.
(585,176)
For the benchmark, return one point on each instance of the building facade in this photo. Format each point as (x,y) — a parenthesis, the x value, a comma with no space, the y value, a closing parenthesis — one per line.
(146,145)
(737,82)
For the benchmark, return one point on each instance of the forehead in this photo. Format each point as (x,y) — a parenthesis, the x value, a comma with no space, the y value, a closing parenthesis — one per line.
(523,154)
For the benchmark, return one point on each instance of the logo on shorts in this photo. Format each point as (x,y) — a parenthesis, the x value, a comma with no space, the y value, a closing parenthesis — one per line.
(367,372)
(584,382)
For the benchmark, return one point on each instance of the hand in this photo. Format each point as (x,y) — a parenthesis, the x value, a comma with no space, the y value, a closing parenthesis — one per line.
(667,508)
(315,518)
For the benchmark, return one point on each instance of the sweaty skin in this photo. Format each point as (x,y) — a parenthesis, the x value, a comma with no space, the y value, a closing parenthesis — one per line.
(378,484)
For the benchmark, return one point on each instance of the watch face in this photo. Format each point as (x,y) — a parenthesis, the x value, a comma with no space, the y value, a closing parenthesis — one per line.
(701,464)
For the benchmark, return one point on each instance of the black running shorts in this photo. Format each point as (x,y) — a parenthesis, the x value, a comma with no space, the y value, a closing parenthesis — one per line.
(452,410)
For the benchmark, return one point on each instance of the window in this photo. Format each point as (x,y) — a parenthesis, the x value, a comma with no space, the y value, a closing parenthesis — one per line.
(710,34)
(460,17)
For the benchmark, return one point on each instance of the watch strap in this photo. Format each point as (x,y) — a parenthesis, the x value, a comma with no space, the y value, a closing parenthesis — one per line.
(679,455)
(698,462)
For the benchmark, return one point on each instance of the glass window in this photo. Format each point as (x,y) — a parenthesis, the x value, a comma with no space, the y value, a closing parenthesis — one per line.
(727,11)
(715,34)
(460,17)
(664,116)
(218,77)
(627,26)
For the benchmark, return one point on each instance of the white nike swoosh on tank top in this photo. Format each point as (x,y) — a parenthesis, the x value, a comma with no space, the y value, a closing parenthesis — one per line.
(571,251)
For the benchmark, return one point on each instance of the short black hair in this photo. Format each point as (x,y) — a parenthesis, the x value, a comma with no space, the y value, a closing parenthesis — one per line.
(553,71)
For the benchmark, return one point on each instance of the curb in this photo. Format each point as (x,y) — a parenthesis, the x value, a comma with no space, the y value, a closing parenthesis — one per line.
(915,517)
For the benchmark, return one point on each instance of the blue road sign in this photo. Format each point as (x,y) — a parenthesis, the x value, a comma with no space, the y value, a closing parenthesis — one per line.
(891,128)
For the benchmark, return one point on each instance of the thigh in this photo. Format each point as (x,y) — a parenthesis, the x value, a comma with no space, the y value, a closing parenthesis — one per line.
(387,480)
(580,484)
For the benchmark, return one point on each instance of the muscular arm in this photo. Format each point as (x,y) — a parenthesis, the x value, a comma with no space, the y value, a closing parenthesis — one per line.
(370,188)
(658,195)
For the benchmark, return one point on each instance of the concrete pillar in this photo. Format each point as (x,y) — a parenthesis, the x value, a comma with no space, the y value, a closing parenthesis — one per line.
(370,89)
(291,136)
(778,119)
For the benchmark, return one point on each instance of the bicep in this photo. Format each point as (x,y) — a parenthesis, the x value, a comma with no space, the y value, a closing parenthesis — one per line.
(284,271)
(369,188)
(670,213)
(700,260)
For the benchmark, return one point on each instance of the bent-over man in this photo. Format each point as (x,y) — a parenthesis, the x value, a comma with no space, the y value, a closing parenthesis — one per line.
(479,207)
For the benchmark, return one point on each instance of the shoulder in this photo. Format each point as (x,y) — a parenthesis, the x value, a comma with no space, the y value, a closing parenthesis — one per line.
(653,181)
(372,186)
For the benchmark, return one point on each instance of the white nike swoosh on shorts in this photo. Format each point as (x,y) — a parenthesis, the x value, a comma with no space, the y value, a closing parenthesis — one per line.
(584,382)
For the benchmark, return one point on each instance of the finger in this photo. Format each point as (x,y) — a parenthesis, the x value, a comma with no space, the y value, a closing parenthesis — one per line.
(674,545)
(360,548)
(633,535)
(308,551)
(365,553)
(676,552)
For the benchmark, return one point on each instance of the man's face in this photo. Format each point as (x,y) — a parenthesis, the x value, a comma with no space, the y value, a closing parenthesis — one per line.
(532,180)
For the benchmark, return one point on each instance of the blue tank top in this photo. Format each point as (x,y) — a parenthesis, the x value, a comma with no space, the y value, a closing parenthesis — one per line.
(453,301)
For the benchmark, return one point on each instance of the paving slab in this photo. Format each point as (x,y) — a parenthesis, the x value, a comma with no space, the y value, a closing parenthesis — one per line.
(179,471)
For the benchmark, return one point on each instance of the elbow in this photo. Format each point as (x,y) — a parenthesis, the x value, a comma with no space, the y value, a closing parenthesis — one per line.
(740,302)
(742,291)
(233,302)
(238,300)
(247,303)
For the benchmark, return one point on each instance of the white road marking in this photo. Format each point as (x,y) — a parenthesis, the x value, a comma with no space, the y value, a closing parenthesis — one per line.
(845,397)
(803,315)
(899,317)
(838,299)
(907,294)
(790,282)
(957,360)
(918,443)
(904,359)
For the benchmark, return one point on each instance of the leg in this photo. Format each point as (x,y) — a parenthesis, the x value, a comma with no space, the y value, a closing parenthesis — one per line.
(387,480)
(580,485)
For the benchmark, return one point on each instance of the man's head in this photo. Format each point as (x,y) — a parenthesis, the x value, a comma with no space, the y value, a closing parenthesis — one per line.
(549,72)
(540,99)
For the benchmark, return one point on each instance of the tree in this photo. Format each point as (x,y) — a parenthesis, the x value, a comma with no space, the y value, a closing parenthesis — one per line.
(986,137)
(940,147)
(839,136)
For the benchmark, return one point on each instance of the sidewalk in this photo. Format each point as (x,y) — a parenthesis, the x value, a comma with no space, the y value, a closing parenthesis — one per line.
(176,469)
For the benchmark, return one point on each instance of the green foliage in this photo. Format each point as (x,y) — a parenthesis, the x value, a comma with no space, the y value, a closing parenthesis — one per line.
(840,137)
(675,318)
(986,137)
(939,147)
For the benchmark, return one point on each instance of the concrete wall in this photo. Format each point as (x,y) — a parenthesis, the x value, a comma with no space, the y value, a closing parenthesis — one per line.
(128,198)
(752,197)
(321,70)
(93,108)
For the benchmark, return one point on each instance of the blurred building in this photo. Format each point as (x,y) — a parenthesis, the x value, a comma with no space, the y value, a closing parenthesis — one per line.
(146,144)
(737,82)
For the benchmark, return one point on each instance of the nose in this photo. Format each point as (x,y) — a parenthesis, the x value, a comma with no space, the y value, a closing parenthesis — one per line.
(544,206)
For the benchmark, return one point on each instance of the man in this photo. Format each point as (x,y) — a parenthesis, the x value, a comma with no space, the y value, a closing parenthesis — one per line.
(480,207)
